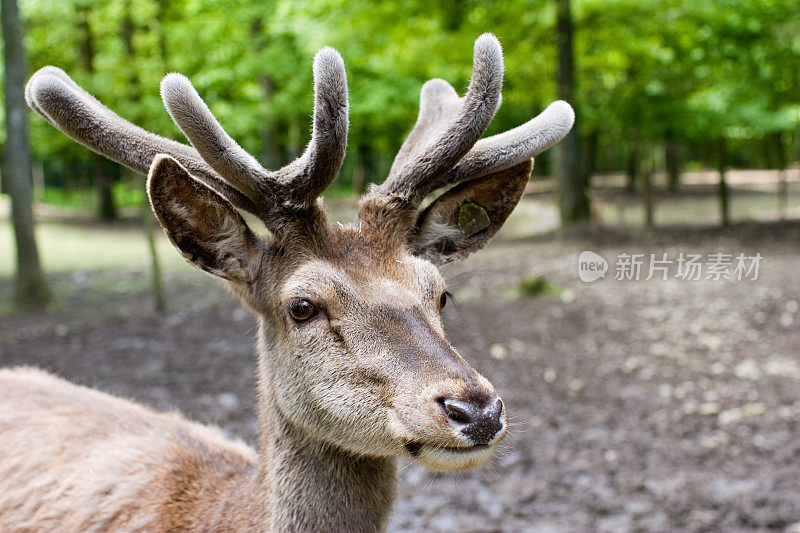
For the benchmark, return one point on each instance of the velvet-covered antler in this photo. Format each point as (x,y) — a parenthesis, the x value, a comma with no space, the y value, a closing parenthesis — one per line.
(447,126)
(486,176)
(214,158)
(443,147)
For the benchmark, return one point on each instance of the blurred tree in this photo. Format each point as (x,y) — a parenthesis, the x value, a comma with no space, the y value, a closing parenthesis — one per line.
(126,31)
(101,172)
(672,161)
(31,289)
(724,192)
(572,182)
(664,77)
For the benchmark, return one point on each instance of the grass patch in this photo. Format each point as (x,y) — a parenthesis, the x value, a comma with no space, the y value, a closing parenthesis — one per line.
(65,248)
(537,286)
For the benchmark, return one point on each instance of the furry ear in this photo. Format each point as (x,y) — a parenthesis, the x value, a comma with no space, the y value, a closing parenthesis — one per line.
(463,219)
(202,225)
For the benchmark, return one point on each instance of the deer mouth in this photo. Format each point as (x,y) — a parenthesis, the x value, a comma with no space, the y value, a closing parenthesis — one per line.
(446,458)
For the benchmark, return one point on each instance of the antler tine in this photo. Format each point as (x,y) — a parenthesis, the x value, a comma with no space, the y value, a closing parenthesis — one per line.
(29,89)
(308,176)
(438,102)
(430,150)
(211,141)
(299,183)
(514,146)
(54,95)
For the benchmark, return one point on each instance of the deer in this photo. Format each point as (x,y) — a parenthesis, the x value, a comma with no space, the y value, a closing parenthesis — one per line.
(354,369)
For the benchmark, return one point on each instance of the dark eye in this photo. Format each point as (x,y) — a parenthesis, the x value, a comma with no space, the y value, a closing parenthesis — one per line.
(443,300)
(301,310)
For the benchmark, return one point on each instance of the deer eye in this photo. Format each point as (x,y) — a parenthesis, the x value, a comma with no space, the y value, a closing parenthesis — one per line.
(301,310)
(443,300)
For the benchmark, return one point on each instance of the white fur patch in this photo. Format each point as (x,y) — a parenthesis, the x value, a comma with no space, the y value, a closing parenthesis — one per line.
(435,236)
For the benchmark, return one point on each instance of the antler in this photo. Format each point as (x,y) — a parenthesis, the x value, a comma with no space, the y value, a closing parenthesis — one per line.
(298,184)
(215,157)
(447,126)
(443,147)
(53,94)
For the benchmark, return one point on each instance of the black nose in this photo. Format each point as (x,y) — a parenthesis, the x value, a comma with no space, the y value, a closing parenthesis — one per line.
(480,421)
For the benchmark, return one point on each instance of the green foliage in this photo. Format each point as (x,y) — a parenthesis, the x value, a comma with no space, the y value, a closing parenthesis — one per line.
(647,70)
(536,286)
(125,195)
(688,71)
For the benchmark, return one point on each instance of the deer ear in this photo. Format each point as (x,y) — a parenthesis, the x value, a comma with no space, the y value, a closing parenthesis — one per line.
(464,218)
(202,225)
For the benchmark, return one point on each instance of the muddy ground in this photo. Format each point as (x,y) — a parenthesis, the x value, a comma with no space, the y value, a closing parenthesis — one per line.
(635,405)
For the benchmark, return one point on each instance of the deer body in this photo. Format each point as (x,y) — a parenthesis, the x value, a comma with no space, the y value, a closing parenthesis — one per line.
(75,459)
(354,369)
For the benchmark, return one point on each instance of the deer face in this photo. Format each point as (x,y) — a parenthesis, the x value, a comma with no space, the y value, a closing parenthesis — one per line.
(359,359)
(353,346)
(354,349)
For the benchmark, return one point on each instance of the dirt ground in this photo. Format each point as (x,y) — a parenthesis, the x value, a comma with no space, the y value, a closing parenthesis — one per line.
(635,405)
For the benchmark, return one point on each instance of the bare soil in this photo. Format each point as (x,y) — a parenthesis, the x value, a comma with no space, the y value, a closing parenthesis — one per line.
(635,405)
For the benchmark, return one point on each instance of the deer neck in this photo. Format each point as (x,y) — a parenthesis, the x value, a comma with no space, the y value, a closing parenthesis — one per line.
(309,485)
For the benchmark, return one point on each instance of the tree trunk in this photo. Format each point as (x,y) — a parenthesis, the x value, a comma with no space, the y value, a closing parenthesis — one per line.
(572,194)
(148,227)
(359,176)
(672,164)
(592,140)
(724,194)
(101,176)
(766,150)
(271,156)
(453,13)
(106,208)
(39,192)
(706,153)
(797,141)
(646,174)
(30,288)
(161,18)
(783,188)
(634,164)
(293,140)
(364,170)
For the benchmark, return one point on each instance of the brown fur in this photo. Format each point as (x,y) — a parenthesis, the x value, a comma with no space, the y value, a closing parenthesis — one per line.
(339,399)
(367,377)
(75,459)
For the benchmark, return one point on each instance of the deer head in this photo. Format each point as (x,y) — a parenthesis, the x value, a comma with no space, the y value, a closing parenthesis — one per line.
(352,348)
